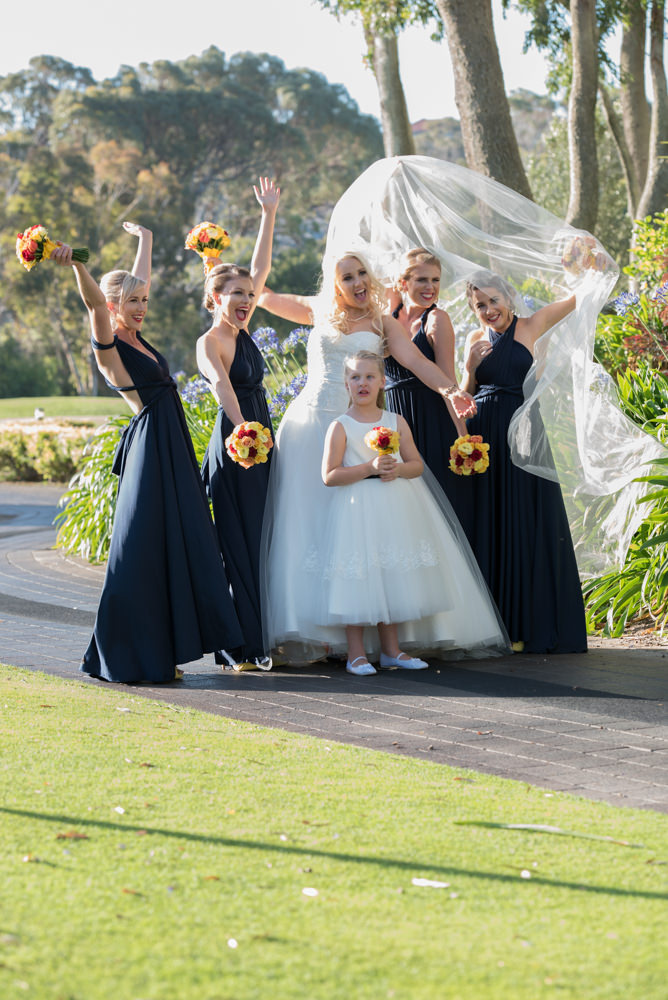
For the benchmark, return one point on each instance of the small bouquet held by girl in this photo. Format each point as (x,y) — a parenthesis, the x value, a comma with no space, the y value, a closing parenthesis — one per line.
(391,554)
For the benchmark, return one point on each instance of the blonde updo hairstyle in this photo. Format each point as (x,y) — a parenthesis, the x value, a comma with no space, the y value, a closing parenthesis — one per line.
(118,286)
(366,356)
(216,280)
(412,259)
(326,308)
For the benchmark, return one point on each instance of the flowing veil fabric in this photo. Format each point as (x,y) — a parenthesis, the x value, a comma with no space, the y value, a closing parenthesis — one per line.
(570,428)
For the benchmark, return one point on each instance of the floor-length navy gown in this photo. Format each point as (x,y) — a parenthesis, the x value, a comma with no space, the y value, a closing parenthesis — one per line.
(520,535)
(430,422)
(238,498)
(165,598)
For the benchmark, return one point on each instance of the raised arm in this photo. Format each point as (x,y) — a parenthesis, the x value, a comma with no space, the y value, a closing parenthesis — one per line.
(142,266)
(268,195)
(530,328)
(296,308)
(91,295)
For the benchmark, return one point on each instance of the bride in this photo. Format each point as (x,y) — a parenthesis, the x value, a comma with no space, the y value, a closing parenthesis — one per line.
(347,316)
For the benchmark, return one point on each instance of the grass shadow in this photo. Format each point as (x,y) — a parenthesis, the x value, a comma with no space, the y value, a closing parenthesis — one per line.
(398,863)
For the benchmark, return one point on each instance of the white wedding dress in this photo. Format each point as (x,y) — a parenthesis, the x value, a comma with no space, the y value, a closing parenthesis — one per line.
(312,546)
(297,498)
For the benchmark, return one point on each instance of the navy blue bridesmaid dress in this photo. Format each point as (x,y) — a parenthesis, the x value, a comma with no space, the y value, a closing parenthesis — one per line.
(430,423)
(165,598)
(238,498)
(520,535)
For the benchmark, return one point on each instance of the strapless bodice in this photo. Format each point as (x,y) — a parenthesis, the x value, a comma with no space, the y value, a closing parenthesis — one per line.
(326,352)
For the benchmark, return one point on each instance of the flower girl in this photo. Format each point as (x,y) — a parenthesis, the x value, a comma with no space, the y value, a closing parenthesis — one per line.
(392,554)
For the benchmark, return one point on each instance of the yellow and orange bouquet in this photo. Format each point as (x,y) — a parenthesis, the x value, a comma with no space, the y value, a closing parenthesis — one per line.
(34,245)
(469,455)
(383,440)
(208,240)
(249,444)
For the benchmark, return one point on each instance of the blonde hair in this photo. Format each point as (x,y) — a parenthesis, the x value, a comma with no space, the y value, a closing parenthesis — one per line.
(118,286)
(216,280)
(417,257)
(366,356)
(326,308)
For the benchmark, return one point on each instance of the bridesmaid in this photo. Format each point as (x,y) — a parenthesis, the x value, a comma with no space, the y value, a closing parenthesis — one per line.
(430,329)
(520,535)
(234,368)
(165,598)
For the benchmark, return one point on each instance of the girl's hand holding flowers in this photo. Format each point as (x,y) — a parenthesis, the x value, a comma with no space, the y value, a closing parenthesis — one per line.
(386,442)
(249,444)
(34,245)
(208,240)
(469,455)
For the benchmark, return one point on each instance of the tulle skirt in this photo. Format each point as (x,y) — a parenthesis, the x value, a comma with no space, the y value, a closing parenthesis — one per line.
(336,556)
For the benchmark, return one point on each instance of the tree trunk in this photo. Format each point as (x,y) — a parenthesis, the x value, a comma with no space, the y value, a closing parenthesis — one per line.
(655,194)
(489,139)
(635,109)
(616,128)
(583,205)
(397,133)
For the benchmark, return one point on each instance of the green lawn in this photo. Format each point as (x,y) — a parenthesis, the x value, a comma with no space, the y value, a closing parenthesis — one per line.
(78,407)
(158,853)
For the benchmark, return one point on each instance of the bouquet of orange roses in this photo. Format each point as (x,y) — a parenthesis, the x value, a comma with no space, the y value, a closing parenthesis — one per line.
(383,440)
(249,444)
(34,245)
(469,455)
(208,240)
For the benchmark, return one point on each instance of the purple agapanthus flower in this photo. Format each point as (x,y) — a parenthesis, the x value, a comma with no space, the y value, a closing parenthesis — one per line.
(296,337)
(295,387)
(195,390)
(660,294)
(623,302)
(266,339)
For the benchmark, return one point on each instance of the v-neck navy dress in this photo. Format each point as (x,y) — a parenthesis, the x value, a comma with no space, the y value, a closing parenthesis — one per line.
(430,422)
(520,534)
(165,598)
(238,497)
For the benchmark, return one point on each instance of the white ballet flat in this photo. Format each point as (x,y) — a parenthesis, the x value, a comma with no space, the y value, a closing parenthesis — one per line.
(410,663)
(363,669)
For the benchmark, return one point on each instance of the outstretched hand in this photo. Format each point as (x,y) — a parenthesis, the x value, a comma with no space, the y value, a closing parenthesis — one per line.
(268,194)
(463,403)
(136,230)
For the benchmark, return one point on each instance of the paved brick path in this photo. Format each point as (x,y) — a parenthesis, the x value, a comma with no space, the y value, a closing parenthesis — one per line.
(595,725)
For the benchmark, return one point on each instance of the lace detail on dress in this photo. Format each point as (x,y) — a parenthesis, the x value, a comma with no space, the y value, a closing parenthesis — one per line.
(390,556)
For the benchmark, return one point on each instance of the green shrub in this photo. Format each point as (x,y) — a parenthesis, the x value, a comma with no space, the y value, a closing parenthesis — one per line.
(37,456)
